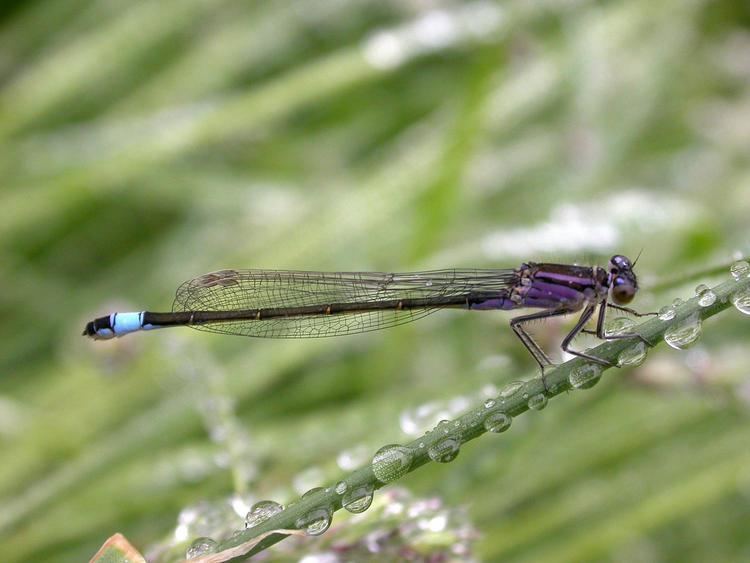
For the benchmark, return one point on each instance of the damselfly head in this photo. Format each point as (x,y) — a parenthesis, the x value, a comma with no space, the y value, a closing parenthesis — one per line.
(622,281)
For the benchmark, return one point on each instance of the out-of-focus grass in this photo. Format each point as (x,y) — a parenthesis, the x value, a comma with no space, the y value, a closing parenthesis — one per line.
(145,144)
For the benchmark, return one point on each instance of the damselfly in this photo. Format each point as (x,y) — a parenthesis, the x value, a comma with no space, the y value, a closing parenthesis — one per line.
(293,304)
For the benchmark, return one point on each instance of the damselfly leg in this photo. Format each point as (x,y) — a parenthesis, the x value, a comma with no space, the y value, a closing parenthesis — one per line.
(517,324)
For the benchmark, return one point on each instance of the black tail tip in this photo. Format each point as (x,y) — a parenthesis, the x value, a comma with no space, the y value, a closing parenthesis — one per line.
(89,330)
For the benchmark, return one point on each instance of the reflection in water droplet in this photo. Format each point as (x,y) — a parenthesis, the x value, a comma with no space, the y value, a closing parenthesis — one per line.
(741,300)
(262,511)
(538,402)
(341,487)
(620,325)
(706,297)
(358,499)
(315,522)
(633,355)
(666,313)
(200,547)
(684,333)
(585,376)
(497,422)
(740,269)
(445,450)
(391,462)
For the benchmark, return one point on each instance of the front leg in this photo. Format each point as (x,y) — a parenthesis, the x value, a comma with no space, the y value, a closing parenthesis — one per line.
(601,333)
(629,310)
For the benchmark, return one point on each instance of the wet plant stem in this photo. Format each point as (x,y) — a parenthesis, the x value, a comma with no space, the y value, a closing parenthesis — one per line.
(468,426)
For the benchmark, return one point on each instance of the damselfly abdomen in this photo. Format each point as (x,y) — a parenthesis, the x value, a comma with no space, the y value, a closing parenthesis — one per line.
(293,304)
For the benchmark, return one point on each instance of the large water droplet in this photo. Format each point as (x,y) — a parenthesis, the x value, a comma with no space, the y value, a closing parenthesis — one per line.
(537,402)
(684,333)
(262,511)
(315,522)
(740,269)
(666,313)
(585,376)
(444,450)
(200,547)
(341,487)
(358,499)
(620,325)
(633,355)
(497,422)
(510,390)
(391,462)
(706,297)
(741,301)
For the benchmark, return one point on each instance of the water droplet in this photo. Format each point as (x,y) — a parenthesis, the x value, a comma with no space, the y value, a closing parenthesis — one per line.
(740,269)
(677,302)
(391,462)
(315,522)
(585,376)
(262,511)
(706,297)
(633,355)
(341,487)
(489,403)
(511,389)
(358,499)
(620,325)
(200,547)
(421,444)
(428,283)
(741,301)
(443,425)
(497,422)
(684,333)
(445,450)
(538,402)
(666,313)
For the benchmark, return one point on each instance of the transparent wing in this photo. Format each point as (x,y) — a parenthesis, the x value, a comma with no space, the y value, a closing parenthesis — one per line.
(247,290)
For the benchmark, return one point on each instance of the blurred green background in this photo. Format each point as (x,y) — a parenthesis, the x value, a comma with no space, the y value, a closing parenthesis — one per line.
(143,144)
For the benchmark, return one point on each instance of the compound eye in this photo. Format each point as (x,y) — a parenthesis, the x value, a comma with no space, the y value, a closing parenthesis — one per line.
(620,262)
(622,292)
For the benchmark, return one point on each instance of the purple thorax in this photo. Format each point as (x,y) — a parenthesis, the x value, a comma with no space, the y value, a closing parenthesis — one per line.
(550,286)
